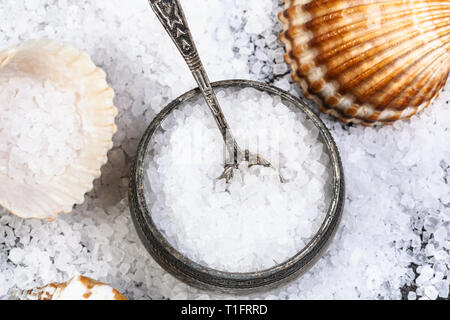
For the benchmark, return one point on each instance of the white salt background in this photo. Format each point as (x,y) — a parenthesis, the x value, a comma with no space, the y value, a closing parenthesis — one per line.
(394,235)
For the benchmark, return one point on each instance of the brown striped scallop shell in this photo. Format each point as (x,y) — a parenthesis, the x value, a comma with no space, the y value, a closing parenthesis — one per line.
(368,61)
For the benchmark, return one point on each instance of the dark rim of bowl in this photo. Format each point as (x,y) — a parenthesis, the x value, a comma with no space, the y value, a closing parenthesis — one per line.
(207,278)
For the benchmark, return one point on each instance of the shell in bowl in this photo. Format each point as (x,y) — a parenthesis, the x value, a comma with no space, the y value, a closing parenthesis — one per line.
(67,82)
(368,61)
(77,288)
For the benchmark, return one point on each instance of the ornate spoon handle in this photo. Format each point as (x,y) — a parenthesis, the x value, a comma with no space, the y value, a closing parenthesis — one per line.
(171,15)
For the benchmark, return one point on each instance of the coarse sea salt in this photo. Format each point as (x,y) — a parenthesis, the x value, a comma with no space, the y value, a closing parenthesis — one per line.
(254,221)
(40,128)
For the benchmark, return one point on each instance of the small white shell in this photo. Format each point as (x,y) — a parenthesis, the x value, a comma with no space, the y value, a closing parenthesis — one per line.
(71,70)
(77,288)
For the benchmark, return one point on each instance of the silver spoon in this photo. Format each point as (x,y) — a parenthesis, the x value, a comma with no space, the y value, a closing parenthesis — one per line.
(171,15)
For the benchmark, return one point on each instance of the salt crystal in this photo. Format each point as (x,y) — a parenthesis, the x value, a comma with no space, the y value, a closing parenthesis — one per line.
(441,235)
(431,292)
(124,267)
(412,295)
(443,287)
(280,68)
(180,296)
(16,255)
(106,230)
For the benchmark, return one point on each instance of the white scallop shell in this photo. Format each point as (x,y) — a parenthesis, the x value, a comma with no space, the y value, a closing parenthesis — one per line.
(77,288)
(368,61)
(72,70)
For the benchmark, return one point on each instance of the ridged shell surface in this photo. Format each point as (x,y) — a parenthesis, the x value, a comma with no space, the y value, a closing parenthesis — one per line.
(368,61)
